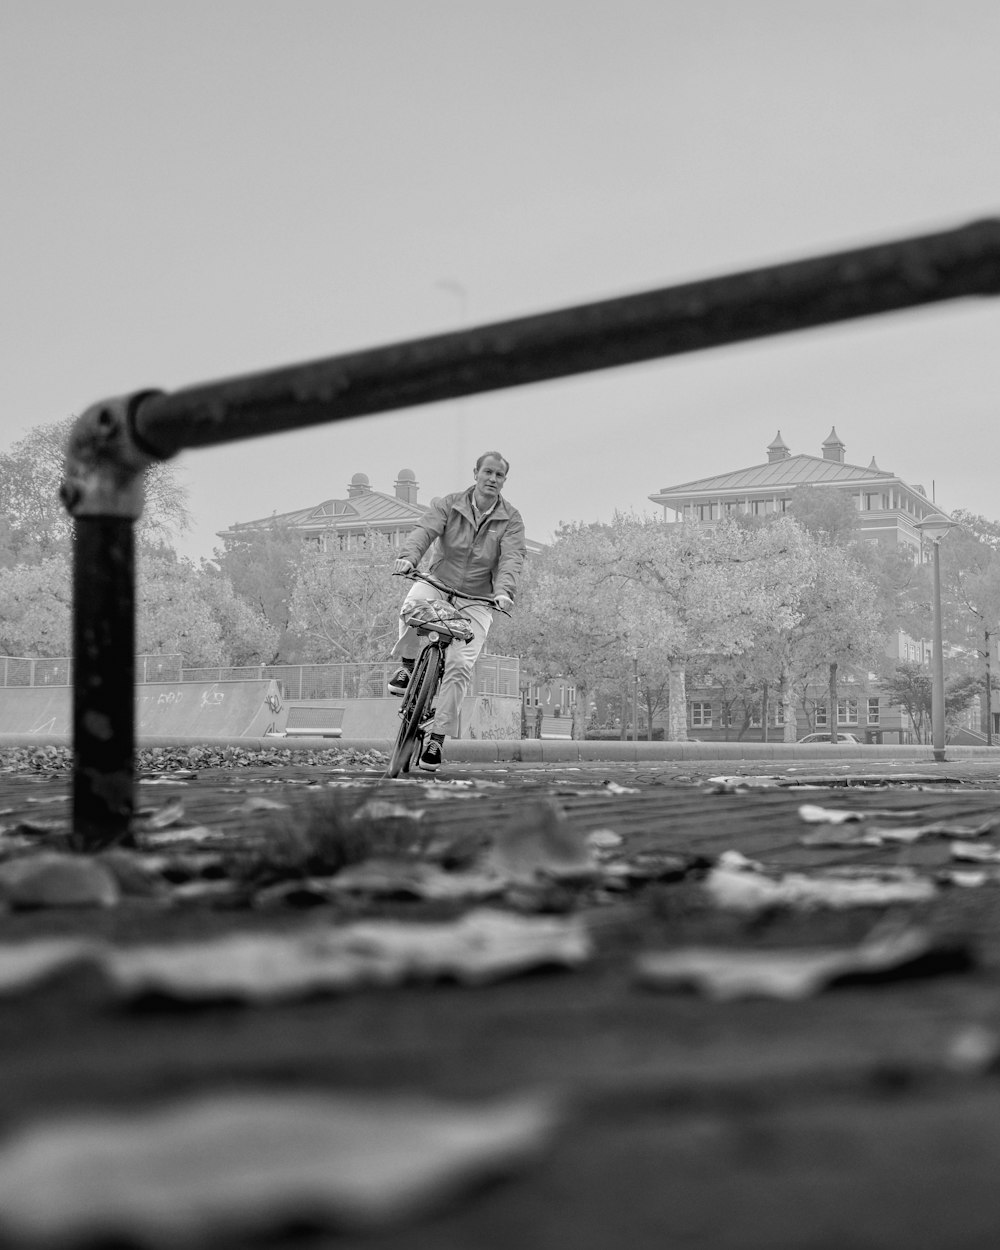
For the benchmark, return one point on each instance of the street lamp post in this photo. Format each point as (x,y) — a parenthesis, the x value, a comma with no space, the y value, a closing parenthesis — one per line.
(935,530)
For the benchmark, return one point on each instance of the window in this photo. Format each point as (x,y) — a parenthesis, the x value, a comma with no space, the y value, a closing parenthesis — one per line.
(705,511)
(847,711)
(779,713)
(759,507)
(821,720)
(873,713)
(701,716)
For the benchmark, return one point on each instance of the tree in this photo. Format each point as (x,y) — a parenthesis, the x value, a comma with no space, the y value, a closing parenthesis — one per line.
(910,685)
(839,622)
(35,602)
(262,565)
(31,473)
(566,622)
(825,511)
(247,635)
(345,604)
(691,591)
(970,582)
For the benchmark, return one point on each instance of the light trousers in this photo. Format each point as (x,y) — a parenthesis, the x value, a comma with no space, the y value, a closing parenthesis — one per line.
(460,657)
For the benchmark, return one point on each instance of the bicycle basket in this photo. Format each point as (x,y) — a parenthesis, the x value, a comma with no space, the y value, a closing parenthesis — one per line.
(439,615)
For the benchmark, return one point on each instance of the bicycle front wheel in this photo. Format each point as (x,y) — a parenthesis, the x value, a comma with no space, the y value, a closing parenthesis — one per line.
(416,705)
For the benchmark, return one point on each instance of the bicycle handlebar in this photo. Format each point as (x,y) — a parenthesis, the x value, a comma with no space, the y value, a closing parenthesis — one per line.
(414,576)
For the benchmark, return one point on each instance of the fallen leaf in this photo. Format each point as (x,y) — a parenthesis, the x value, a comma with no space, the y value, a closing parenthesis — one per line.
(478,948)
(50,879)
(258,803)
(171,813)
(393,878)
(726,973)
(383,809)
(747,891)
(604,839)
(235,1166)
(192,833)
(975,852)
(540,843)
(23,965)
(812,813)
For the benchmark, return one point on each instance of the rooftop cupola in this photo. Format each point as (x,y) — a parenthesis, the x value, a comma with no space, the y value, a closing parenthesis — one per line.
(359,485)
(778,450)
(406,486)
(833,448)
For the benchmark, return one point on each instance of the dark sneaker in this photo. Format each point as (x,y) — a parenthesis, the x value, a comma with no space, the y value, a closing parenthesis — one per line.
(430,761)
(400,680)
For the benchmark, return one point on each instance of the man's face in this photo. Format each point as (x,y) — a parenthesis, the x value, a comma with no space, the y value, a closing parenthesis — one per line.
(490,477)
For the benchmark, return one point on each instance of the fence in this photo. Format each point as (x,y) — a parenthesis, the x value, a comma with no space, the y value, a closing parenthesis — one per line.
(115,440)
(495,674)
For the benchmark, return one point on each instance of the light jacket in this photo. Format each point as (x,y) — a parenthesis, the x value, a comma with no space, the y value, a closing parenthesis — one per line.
(486,561)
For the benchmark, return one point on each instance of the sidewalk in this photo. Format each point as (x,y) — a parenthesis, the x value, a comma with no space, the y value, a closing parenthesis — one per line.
(866,1116)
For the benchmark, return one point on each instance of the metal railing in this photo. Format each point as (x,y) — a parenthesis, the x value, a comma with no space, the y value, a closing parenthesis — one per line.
(114,441)
(494,674)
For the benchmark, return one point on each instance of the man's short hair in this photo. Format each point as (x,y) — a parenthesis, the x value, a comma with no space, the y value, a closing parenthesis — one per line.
(496,456)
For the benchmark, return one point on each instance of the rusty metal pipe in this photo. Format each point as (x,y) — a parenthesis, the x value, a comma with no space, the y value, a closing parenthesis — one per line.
(710,313)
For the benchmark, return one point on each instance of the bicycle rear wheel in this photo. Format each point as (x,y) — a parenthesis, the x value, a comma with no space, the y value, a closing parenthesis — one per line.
(416,704)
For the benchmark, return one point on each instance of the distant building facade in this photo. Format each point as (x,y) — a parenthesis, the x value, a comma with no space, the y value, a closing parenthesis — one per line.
(889,512)
(889,509)
(341,524)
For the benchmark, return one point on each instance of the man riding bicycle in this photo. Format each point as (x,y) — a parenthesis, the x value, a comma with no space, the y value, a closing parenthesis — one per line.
(480,538)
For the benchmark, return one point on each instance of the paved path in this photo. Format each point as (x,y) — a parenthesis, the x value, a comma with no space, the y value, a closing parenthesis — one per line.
(867,1116)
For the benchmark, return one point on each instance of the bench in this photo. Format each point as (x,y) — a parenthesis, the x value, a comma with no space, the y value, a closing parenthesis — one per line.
(314,722)
(556,727)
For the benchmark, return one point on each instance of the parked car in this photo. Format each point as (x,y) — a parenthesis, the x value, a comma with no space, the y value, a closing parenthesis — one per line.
(823,736)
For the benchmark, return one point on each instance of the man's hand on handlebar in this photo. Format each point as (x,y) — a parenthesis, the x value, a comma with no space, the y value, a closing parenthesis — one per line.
(402,567)
(504,603)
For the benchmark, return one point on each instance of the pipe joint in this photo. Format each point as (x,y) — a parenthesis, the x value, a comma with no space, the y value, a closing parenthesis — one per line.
(105,464)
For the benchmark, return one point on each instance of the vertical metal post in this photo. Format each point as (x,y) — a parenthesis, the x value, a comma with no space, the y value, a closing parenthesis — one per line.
(104,689)
(934,529)
(103,491)
(635,698)
(937,687)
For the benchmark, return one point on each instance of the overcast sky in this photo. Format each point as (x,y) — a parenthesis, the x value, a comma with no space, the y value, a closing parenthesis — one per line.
(194,189)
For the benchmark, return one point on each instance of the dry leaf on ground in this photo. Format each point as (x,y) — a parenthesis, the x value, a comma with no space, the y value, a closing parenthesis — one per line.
(739,889)
(724,973)
(50,879)
(235,1165)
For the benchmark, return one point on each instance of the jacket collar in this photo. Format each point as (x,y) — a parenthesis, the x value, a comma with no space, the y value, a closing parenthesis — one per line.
(464,505)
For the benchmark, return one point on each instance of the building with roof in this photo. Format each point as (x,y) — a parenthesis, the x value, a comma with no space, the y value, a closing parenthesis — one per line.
(889,509)
(889,512)
(341,524)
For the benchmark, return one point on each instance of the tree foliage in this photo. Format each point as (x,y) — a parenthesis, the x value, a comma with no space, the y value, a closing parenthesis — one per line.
(35,608)
(262,566)
(826,512)
(344,605)
(31,473)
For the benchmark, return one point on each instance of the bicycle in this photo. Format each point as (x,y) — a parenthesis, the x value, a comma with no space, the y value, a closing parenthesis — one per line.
(440,622)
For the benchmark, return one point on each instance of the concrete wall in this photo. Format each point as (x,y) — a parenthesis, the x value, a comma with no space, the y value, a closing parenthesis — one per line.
(488,716)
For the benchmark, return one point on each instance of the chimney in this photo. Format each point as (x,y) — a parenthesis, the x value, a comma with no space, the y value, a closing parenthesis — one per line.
(833,448)
(359,485)
(777,450)
(406,486)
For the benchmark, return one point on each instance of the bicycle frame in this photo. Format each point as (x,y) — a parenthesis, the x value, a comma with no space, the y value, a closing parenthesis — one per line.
(417,708)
